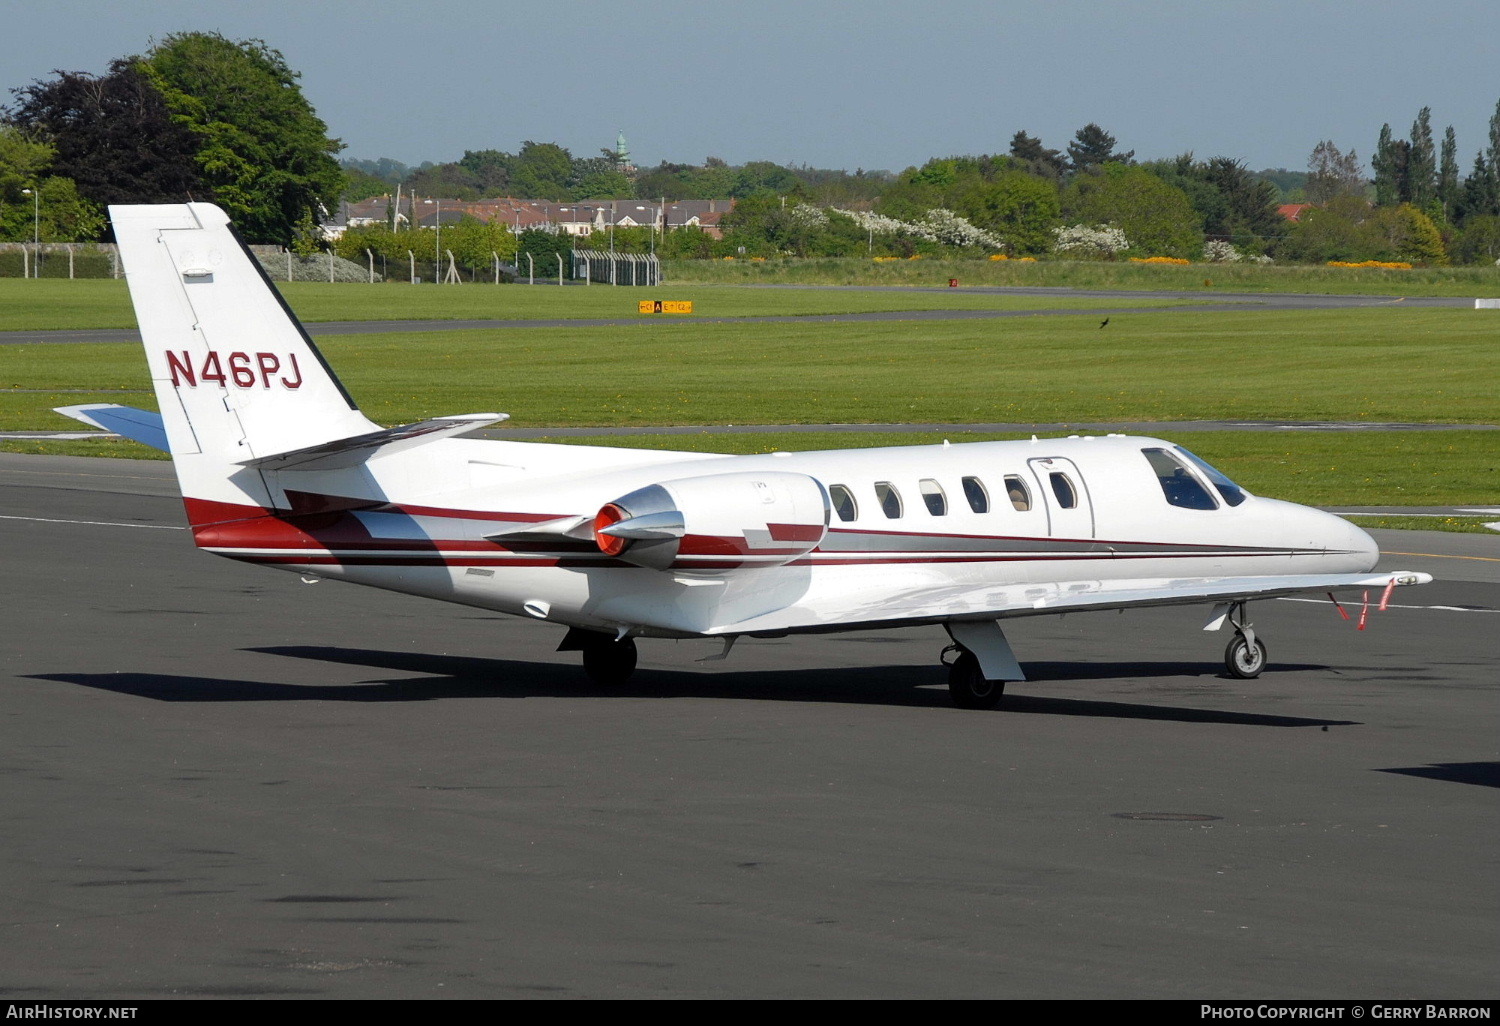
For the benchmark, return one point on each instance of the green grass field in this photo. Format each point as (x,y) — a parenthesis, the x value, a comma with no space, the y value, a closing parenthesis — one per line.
(1428,468)
(1436,366)
(1079,274)
(101,303)
(1452,525)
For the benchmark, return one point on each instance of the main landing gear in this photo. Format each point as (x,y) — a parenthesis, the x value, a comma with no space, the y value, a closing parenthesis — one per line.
(606,660)
(1245,655)
(967,684)
(980,664)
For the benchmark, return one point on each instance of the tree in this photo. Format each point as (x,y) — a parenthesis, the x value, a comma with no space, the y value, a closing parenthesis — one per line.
(1421,162)
(1447,179)
(687,244)
(1480,241)
(53,210)
(360,185)
(760,223)
(475,243)
(1489,189)
(1092,146)
(1158,219)
(762,176)
(1332,173)
(1019,207)
(491,170)
(114,135)
(910,196)
(1389,166)
(1291,186)
(1336,231)
(714,180)
(23,162)
(598,178)
(1250,219)
(1479,196)
(544,247)
(1039,160)
(541,171)
(1406,233)
(387,170)
(450,181)
(1191,176)
(261,147)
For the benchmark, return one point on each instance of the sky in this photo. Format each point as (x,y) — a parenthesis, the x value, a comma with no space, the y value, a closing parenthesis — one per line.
(875,84)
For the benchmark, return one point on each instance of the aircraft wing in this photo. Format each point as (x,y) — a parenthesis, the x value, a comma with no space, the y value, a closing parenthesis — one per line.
(939,603)
(142,426)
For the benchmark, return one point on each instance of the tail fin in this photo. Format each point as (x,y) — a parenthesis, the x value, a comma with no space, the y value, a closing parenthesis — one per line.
(236,377)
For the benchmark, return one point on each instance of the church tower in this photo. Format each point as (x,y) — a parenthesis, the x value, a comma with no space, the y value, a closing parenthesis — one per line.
(622,155)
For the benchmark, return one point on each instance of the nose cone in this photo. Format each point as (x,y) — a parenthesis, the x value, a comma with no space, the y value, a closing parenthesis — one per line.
(1363,546)
(1345,547)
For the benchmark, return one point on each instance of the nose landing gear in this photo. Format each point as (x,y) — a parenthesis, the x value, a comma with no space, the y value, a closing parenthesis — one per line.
(1245,655)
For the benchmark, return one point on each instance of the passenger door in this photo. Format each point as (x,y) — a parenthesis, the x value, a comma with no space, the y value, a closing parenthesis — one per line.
(1070,512)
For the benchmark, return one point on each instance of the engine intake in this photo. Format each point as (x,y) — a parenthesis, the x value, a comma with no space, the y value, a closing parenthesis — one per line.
(716,522)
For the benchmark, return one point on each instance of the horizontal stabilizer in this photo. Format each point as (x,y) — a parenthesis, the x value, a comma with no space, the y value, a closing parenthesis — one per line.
(144,426)
(350,452)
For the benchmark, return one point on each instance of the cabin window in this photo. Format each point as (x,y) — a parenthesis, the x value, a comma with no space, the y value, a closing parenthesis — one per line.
(1177,483)
(1233,493)
(1067,495)
(843,502)
(979,499)
(934,496)
(1017,492)
(889,499)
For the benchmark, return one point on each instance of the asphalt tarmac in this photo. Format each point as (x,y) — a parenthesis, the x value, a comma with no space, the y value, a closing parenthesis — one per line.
(221,781)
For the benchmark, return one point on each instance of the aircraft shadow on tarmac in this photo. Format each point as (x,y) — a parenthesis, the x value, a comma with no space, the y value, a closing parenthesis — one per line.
(468,677)
(1485,774)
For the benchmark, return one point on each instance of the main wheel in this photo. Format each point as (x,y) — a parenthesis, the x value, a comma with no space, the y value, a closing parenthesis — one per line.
(1244,660)
(968,685)
(609,662)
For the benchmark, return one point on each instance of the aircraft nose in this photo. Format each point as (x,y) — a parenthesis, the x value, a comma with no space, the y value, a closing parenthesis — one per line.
(1360,542)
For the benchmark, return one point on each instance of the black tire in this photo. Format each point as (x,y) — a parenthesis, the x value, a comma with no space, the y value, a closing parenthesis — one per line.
(1244,661)
(968,685)
(609,662)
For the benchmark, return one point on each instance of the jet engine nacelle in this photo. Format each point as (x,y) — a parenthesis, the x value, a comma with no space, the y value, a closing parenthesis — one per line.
(716,522)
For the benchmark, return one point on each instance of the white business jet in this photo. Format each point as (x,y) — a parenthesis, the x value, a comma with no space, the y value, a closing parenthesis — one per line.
(278,466)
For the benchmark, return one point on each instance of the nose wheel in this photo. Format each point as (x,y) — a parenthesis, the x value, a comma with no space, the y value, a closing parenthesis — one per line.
(1245,655)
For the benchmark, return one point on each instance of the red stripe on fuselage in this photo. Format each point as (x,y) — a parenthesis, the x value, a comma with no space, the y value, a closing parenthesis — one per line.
(323,524)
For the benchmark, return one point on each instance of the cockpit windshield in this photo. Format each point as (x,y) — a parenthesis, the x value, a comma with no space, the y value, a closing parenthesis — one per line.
(1233,493)
(1178,483)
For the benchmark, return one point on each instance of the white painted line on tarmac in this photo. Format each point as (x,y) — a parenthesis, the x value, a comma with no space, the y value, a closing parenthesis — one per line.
(1346,515)
(96,523)
(1440,555)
